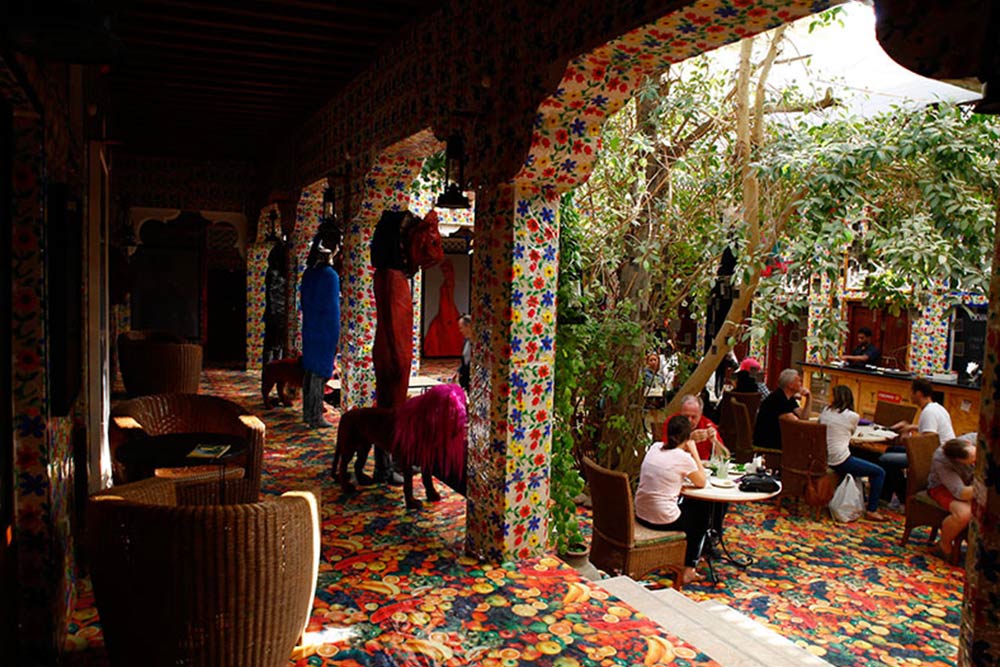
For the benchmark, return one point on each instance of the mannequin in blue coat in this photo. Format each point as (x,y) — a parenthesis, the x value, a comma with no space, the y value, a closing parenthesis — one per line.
(320,332)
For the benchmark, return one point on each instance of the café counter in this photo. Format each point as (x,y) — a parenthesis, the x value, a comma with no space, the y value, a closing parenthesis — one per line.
(960,399)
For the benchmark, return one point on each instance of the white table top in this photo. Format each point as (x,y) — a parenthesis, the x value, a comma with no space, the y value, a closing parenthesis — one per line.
(416,382)
(873,433)
(717,494)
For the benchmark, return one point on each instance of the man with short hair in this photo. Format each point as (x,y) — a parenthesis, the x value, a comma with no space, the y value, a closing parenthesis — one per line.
(950,485)
(864,352)
(704,432)
(781,405)
(933,419)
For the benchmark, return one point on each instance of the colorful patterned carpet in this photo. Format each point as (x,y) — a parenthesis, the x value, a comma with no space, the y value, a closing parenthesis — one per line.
(394,589)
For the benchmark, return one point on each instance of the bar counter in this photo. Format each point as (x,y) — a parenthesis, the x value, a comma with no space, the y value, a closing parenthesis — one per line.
(960,399)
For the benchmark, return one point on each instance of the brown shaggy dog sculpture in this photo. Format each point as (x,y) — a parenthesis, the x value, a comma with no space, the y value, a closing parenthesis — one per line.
(283,373)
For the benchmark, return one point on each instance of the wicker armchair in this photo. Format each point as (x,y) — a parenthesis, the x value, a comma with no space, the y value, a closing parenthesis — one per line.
(190,413)
(803,455)
(187,584)
(887,414)
(156,362)
(921,509)
(621,546)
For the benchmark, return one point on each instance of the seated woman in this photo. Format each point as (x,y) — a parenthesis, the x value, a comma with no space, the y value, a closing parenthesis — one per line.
(950,485)
(657,500)
(841,420)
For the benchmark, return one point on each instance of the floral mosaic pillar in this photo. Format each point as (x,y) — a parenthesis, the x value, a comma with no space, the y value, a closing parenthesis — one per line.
(308,216)
(257,255)
(979,640)
(514,307)
(386,186)
(516,260)
(416,291)
(42,450)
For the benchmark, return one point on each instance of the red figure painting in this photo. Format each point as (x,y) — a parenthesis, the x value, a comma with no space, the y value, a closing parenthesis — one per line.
(444,338)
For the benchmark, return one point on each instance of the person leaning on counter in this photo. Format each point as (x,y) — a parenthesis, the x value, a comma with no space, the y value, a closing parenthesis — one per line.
(864,352)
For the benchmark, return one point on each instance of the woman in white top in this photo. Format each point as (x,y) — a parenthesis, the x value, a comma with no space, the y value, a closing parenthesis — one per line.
(657,500)
(841,420)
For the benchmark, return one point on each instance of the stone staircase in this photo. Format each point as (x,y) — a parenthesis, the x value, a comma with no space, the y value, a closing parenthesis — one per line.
(722,633)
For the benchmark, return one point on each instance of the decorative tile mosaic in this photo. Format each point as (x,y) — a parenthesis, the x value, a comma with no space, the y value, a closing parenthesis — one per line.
(256,292)
(308,216)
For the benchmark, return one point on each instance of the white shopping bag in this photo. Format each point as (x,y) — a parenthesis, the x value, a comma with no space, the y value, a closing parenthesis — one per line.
(848,501)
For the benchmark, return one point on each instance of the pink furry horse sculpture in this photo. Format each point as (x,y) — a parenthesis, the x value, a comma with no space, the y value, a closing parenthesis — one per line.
(426,431)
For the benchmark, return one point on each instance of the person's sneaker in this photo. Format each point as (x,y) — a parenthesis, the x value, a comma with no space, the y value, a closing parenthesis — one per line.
(321,424)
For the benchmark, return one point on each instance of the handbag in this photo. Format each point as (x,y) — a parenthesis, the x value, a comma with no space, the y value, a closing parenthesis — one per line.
(759,483)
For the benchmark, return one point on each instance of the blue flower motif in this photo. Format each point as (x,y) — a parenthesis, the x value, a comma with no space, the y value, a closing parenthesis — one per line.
(568,165)
(519,381)
(687,27)
(548,298)
(559,92)
(548,215)
(33,484)
(546,343)
(538,120)
(515,344)
(517,476)
(522,207)
(31,426)
(549,254)
(498,447)
(534,481)
(518,250)
(599,101)
(727,12)
(519,433)
(534,523)
(578,127)
(516,297)
(516,415)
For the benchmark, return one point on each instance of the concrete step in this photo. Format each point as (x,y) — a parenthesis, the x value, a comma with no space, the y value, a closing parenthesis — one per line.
(732,641)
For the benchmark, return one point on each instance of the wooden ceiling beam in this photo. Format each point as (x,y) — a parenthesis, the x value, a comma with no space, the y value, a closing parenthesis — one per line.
(180,37)
(226,66)
(247,88)
(238,53)
(343,9)
(279,15)
(328,37)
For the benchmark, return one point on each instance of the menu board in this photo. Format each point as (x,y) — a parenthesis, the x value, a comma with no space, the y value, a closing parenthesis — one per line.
(968,337)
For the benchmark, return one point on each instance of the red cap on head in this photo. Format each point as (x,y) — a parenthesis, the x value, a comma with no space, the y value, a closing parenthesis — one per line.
(750,364)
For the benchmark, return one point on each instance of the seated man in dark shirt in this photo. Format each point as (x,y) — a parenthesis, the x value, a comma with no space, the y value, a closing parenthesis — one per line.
(865,352)
(781,404)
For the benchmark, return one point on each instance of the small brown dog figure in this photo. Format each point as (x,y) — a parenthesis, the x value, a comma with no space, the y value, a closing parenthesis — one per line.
(283,373)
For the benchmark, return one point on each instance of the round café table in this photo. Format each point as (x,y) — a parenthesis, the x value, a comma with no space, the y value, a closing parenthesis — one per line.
(872,438)
(143,456)
(724,494)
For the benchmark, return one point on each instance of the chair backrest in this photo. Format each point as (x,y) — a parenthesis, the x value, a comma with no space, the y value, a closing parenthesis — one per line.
(737,429)
(611,496)
(803,453)
(919,452)
(234,583)
(749,399)
(887,414)
(154,362)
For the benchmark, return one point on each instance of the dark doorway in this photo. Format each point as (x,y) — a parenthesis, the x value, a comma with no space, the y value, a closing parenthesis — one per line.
(225,343)
(890,333)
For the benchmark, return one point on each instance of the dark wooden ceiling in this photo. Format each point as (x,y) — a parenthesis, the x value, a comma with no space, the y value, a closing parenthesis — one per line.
(230,78)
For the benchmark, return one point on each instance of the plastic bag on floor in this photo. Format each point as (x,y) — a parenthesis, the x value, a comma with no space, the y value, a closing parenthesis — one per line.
(848,502)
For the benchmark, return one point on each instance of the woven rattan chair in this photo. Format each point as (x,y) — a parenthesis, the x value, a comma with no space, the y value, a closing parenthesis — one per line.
(191,413)
(887,414)
(189,584)
(803,455)
(156,362)
(736,428)
(621,546)
(751,400)
(921,509)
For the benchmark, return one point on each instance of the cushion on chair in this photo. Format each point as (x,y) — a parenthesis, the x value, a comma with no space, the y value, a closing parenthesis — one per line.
(647,536)
(925,498)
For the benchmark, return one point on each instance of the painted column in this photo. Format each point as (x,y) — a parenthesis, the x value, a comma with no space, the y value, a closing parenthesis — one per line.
(386,186)
(510,437)
(42,444)
(416,291)
(308,216)
(979,639)
(257,255)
